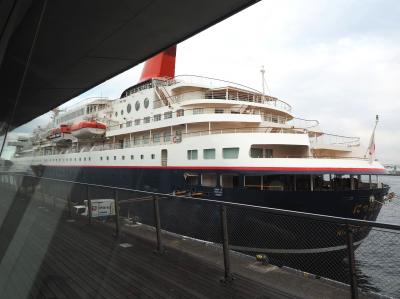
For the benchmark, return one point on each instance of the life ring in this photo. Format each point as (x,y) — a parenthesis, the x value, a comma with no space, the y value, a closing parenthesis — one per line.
(174,139)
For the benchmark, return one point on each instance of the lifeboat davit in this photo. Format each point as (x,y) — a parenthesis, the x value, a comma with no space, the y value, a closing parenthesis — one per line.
(88,129)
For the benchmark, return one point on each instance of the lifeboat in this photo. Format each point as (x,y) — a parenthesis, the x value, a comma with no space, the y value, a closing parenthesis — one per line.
(88,129)
(61,134)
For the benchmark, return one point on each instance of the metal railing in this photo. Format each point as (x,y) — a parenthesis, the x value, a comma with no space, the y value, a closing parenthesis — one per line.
(334,140)
(313,243)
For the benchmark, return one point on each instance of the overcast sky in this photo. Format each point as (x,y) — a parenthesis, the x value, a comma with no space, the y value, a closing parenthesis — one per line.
(335,61)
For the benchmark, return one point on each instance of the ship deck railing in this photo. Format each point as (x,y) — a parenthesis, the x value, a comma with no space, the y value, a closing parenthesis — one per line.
(157,138)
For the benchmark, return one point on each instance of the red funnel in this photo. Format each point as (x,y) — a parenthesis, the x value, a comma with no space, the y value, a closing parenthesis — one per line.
(161,65)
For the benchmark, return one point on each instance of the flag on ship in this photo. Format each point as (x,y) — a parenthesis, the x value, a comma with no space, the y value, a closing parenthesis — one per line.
(371,146)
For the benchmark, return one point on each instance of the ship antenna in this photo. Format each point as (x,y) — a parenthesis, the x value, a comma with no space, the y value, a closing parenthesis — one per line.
(264,82)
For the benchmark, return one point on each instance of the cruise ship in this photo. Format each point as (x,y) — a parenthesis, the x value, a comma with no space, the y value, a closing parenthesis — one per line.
(207,138)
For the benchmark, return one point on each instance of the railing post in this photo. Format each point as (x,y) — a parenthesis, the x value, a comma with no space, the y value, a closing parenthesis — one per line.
(116,207)
(89,202)
(69,203)
(160,249)
(352,266)
(225,246)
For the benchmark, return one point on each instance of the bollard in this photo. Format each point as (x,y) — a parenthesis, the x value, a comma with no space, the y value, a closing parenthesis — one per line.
(160,249)
(89,203)
(116,206)
(225,246)
(352,266)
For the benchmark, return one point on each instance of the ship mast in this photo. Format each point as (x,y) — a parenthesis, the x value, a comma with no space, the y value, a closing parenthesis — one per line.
(263,79)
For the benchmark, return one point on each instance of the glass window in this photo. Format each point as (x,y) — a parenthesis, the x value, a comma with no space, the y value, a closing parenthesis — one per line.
(137,122)
(146,120)
(123,157)
(101,158)
(192,179)
(153,156)
(137,139)
(230,153)
(146,139)
(132,157)
(209,179)
(192,154)
(137,105)
(167,114)
(219,110)
(129,123)
(229,180)
(115,157)
(256,152)
(129,108)
(141,157)
(122,112)
(108,158)
(157,117)
(146,103)
(167,136)
(268,153)
(156,137)
(252,181)
(198,111)
(180,112)
(116,114)
(209,153)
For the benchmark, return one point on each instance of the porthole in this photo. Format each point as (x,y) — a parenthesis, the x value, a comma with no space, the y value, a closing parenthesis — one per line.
(122,112)
(116,114)
(137,105)
(123,157)
(146,103)
(128,108)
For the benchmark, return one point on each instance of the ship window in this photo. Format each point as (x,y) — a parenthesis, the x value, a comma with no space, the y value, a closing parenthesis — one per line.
(198,111)
(115,157)
(256,152)
(252,181)
(101,158)
(129,123)
(137,122)
(89,158)
(84,159)
(141,157)
(137,105)
(136,139)
(268,153)
(108,158)
(122,112)
(209,179)
(235,112)
(230,153)
(128,108)
(219,110)
(192,179)
(132,157)
(167,114)
(229,180)
(80,159)
(180,112)
(157,117)
(123,157)
(209,153)
(146,103)
(146,139)
(192,154)
(167,136)
(116,114)
(146,120)
(153,156)
(156,137)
